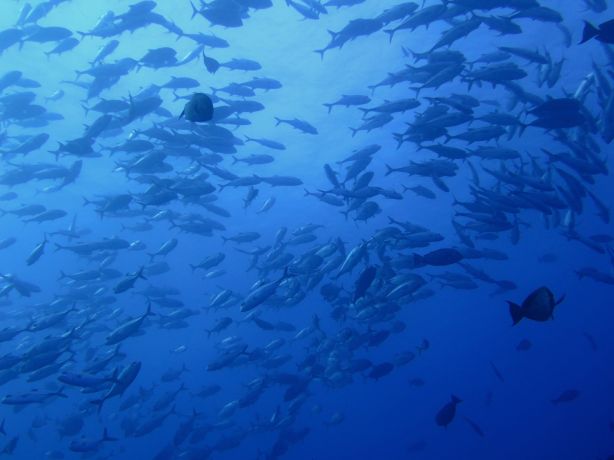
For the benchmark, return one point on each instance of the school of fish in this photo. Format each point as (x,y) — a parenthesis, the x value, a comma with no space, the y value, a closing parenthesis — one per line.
(175,160)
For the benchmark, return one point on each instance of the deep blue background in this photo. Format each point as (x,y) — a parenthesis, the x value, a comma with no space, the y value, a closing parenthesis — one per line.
(466,329)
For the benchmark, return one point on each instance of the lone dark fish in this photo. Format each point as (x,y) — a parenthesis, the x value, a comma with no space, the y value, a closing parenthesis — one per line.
(198,109)
(538,306)
(446,414)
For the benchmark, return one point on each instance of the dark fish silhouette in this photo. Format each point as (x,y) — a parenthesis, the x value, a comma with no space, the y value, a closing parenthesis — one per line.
(199,108)
(364,281)
(447,413)
(380,370)
(566,396)
(211,64)
(538,306)
(604,33)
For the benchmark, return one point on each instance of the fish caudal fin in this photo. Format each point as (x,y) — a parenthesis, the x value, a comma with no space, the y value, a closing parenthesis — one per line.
(590,31)
(515,312)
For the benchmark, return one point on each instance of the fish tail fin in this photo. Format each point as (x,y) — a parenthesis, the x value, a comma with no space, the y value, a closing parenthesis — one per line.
(515,312)
(590,31)
(456,399)
(328,106)
(194,10)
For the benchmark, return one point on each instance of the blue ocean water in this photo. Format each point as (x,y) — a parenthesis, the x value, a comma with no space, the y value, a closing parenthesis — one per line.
(355,279)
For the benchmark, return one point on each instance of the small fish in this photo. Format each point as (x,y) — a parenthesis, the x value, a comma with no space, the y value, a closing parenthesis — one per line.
(566,396)
(497,373)
(446,414)
(474,426)
(524,345)
(90,445)
(128,282)
(591,340)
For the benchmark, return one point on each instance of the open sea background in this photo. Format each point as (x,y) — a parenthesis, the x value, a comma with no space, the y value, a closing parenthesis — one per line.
(468,330)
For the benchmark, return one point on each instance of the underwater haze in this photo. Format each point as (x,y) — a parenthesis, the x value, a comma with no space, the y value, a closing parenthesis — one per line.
(306,229)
